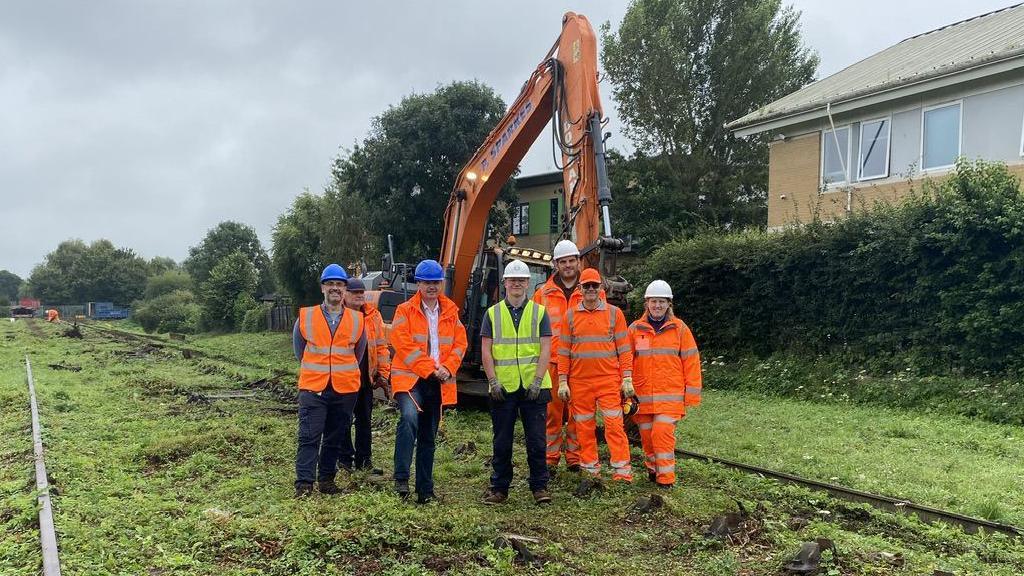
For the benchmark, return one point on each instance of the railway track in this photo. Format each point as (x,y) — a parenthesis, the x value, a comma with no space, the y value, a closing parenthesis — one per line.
(47,534)
(889,504)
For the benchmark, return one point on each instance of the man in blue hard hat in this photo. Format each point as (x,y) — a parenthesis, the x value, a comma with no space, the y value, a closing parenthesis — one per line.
(329,345)
(429,342)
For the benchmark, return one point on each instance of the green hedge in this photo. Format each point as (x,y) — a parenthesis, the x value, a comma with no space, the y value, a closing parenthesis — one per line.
(937,280)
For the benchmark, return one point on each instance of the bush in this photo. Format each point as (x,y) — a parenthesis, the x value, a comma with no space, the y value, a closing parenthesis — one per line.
(933,281)
(227,295)
(255,319)
(173,312)
(167,282)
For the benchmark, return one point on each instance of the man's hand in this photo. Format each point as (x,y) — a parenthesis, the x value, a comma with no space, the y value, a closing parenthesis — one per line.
(442,374)
(563,390)
(497,394)
(627,387)
(533,392)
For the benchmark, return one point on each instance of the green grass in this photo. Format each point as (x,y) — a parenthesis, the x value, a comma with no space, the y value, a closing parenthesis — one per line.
(151,483)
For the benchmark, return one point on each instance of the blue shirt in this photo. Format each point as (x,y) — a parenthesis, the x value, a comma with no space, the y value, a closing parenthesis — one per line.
(333,320)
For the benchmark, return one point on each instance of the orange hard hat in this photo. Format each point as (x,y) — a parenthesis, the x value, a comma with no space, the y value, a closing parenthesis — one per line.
(590,275)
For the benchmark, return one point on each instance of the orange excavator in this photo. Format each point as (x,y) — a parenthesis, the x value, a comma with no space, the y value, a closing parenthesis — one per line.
(562,90)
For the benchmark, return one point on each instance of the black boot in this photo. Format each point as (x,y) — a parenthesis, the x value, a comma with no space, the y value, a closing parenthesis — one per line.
(303,489)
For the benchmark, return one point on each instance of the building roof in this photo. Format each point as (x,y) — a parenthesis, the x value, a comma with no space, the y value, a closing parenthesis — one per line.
(539,180)
(980,42)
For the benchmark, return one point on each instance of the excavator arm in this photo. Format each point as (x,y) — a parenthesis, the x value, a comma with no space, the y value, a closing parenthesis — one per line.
(563,90)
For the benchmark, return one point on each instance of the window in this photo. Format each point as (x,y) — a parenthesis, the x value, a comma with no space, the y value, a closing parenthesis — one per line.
(521,219)
(835,160)
(553,224)
(873,158)
(940,136)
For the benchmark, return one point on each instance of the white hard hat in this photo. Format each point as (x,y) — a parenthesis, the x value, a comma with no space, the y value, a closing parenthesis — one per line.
(565,248)
(516,269)
(658,289)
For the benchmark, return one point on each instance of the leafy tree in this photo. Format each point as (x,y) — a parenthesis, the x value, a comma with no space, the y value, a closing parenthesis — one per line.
(161,264)
(9,284)
(76,272)
(297,254)
(224,239)
(167,282)
(232,279)
(682,69)
(406,168)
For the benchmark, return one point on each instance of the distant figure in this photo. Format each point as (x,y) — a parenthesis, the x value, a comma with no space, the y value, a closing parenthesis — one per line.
(52,315)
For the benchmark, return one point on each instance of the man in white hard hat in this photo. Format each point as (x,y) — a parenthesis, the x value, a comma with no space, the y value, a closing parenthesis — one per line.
(557,295)
(515,352)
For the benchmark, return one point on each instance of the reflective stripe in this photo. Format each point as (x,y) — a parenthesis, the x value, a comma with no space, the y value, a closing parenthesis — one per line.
(564,351)
(583,417)
(357,328)
(380,341)
(444,340)
(318,349)
(588,339)
(623,349)
(551,437)
(315,367)
(620,464)
(383,359)
(687,353)
(664,469)
(309,322)
(658,352)
(645,426)
(664,456)
(665,419)
(419,337)
(398,322)
(339,368)
(400,372)
(621,335)
(458,352)
(553,449)
(411,357)
(608,354)
(613,413)
(517,361)
(590,466)
(662,398)
(693,390)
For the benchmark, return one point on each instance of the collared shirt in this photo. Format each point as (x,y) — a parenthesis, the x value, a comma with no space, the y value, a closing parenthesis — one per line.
(433,340)
(333,320)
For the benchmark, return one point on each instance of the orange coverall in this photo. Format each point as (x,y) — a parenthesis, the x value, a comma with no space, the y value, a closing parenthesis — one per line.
(595,354)
(666,375)
(552,298)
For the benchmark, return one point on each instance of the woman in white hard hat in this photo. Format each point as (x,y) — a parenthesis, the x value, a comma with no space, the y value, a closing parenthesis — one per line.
(666,375)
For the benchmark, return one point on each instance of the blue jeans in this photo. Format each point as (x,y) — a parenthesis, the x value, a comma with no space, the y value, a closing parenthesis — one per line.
(417,429)
(533,414)
(322,419)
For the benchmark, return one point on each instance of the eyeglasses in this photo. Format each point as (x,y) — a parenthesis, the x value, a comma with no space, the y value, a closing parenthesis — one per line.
(589,286)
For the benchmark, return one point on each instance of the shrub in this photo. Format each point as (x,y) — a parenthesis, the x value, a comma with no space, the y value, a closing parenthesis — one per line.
(227,295)
(255,319)
(934,280)
(173,312)
(167,282)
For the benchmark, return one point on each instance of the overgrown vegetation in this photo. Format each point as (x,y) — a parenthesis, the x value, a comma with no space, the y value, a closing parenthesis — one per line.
(932,284)
(153,478)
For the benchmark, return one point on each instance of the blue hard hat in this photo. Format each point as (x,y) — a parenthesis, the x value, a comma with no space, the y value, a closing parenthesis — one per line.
(333,272)
(429,270)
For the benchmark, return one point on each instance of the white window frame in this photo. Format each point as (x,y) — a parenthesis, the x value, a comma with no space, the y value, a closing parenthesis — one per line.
(960,140)
(821,169)
(888,148)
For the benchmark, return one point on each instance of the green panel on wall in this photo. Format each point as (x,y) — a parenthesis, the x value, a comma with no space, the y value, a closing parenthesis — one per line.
(540,215)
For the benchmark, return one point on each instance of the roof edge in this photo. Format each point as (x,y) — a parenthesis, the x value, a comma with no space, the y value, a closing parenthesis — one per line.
(740,124)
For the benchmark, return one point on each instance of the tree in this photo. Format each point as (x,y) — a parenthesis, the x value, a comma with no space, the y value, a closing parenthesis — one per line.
(224,239)
(167,282)
(161,264)
(9,284)
(76,272)
(174,311)
(681,69)
(297,254)
(231,281)
(406,168)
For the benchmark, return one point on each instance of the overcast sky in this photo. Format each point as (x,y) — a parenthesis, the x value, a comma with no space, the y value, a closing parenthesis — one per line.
(147,123)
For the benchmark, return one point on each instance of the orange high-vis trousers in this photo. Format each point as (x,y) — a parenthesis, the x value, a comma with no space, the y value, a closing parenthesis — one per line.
(658,436)
(558,439)
(585,400)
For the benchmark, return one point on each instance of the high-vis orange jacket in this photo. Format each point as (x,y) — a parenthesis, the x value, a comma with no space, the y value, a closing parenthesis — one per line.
(410,338)
(376,342)
(551,297)
(329,359)
(666,366)
(594,345)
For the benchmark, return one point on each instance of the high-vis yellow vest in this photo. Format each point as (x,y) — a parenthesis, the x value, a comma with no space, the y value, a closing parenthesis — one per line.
(516,352)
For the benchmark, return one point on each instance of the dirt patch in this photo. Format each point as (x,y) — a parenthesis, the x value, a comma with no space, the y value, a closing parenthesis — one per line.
(68,367)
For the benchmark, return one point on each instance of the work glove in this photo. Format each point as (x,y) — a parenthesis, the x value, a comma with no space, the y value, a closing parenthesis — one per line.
(497,394)
(534,390)
(563,390)
(627,387)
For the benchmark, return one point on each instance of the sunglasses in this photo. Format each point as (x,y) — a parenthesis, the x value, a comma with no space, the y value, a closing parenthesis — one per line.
(589,286)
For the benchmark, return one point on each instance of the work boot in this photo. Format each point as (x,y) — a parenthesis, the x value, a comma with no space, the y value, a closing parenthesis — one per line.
(328,486)
(402,489)
(541,496)
(587,485)
(303,489)
(652,477)
(425,497)
(494,497)
(573,467)
(668,486)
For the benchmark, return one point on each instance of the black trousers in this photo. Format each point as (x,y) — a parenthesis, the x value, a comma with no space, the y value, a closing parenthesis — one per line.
(361,454)
(322,418)
(533,414)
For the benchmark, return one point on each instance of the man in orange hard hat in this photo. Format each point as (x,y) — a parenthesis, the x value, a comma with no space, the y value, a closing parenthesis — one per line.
(595,356)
